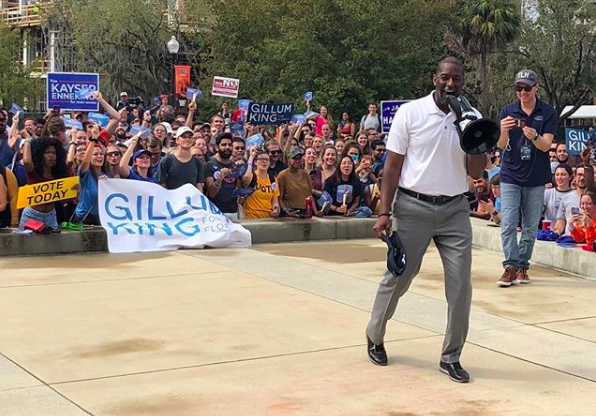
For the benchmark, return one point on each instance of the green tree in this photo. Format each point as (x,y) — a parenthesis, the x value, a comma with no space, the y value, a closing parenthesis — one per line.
(16,83)
(483,28)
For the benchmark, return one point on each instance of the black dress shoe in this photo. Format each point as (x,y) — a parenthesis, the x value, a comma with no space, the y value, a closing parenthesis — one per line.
(455,372)
(376,353)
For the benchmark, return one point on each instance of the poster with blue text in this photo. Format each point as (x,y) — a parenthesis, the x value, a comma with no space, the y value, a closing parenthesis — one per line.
(71,91)
(388,110)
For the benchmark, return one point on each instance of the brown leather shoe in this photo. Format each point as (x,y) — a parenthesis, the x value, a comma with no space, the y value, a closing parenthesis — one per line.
(522,276)
(508,278)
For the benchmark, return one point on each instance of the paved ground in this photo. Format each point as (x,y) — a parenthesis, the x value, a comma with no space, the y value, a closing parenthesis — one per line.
(279,330)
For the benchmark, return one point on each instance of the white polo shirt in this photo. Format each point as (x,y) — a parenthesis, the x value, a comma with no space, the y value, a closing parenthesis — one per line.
(434,163)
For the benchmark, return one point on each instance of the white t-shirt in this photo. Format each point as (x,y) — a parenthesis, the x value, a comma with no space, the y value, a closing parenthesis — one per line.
(434,163)
(571,200)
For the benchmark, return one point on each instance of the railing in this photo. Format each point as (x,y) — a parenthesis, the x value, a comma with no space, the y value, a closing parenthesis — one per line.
(22,16)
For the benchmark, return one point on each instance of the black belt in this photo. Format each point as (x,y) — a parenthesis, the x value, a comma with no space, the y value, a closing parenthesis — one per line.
(435,200)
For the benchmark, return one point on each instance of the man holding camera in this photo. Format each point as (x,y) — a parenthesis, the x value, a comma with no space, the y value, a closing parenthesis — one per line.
(528,126)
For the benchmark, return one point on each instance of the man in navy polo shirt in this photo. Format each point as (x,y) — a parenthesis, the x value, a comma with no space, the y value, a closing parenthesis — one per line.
(528,126)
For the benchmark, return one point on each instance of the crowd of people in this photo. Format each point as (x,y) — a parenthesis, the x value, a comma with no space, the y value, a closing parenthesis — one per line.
(294,170)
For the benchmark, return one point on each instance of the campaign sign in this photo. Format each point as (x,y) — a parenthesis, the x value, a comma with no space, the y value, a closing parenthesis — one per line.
(140,131)
(388,110)
(237,129)
(16,109)
(98,118)
(194,94)
(143,216)
(255,140)
(225,87)
(576,140)
(308,96)
(47,192)
(70,123)
(298,119)
(260,113)
(71,91)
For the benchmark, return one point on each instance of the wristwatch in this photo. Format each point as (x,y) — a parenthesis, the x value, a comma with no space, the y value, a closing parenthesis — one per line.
(536,137)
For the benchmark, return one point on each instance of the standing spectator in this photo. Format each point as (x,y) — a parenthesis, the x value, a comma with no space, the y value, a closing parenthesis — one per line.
(562,155)
(346,126)
(318,143)
(553,196)
(339,146)
(274,150)
(165,112)
(224,112)
(180,167)
(221,177)
(238,150)
(528,126)
(310,161)
(90,171)
(112,163)
(123,103)
(154,145)
(217,125)
(323,118)
(327,134)
(45,160)
(264,202)
(31,127)
(344,189)
(141,159)
(294,186)
(371,120)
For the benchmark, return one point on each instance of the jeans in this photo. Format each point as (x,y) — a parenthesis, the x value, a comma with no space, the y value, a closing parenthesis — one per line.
(48,218)
(529,201)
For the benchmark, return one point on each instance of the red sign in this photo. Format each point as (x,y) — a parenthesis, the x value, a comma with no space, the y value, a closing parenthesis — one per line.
(182,80)
(225,87)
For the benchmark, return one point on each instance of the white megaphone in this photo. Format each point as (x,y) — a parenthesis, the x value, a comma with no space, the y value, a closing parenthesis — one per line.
(476,135)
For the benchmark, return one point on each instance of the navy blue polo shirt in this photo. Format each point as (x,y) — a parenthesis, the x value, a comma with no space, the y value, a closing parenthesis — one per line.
(536,171)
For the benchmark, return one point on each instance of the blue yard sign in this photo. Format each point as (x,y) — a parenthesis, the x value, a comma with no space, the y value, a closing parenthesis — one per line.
(388,110)
(576,140)
(71,91)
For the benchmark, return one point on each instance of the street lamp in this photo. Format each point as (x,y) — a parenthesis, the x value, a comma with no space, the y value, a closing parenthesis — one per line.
(173,48)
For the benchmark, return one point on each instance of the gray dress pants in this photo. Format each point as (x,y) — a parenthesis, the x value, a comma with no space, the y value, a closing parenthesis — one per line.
(449,226)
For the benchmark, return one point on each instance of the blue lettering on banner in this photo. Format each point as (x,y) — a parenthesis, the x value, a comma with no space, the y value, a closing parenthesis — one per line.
(388,110)
(260,113)
(576,140)
(71,91)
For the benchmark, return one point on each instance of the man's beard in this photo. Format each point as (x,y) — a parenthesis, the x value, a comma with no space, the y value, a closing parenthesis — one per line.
(225,154)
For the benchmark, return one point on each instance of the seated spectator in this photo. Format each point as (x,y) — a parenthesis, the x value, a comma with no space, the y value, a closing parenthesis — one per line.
(221,178)
(325,171)
(554,195)
(493,208)
(491,168)
(308,140)
(378,151)
(141,170)
(310,161)
(344,189)
(571,201)
(353,150)
(346,126)
(294,186)
(275,154)
(90,172)
(483,194)
(180,167)
(552,154)
(583,225)
(339,146)
(9,214)
(264,202)
(364,171)
(372,194)
(45,160)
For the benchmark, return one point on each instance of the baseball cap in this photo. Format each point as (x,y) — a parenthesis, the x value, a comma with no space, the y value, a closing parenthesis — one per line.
(141,152)
(182,130)
(167,126)
(526,76)
(295,151)
(396,254)
(123,94)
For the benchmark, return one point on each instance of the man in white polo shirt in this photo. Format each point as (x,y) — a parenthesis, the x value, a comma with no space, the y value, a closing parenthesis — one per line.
(427,163)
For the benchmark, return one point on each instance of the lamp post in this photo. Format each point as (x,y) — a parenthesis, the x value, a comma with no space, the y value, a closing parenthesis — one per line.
(173,48)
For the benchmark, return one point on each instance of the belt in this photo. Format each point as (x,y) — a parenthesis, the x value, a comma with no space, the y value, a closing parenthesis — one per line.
(435,200)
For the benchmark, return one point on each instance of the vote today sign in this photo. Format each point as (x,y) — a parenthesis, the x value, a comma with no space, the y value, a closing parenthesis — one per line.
(576,140)
(48,192)
(143,216)
(259,113)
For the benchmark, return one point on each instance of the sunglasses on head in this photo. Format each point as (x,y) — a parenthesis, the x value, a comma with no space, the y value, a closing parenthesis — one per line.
(526,88)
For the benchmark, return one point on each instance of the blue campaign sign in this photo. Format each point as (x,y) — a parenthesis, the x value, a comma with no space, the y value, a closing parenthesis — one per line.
(255,140)
(308,96)
(194,94)
(388,110)
(71,91)
(70,123)
(100,119)
(237,129)
(576,140)
(260,113)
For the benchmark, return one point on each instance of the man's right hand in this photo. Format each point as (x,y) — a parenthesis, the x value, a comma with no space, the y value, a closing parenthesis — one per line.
(383,225)
(508,123)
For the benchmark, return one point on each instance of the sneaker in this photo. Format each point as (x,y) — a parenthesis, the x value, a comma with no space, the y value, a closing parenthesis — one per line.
(522,276)
(508,278)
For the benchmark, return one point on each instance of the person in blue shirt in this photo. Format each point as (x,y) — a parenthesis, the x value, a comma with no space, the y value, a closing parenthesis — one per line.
(141,159)
(528,126)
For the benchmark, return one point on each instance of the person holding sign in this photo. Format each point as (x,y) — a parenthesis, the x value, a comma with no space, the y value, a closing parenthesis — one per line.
(528,126)
(141,170)
(264,202)
(45,160)
(344,189)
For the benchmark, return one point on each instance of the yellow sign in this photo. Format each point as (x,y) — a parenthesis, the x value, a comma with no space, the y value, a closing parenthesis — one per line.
(47,192)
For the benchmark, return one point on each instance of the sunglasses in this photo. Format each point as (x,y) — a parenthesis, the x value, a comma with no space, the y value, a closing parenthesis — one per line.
(112,154)
(238,148)
(275,152)
(527,88)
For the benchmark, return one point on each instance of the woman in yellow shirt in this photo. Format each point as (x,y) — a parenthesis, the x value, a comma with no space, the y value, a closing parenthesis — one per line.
(263,203)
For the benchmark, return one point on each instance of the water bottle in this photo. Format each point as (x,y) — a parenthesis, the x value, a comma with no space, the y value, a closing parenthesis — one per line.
(309,207)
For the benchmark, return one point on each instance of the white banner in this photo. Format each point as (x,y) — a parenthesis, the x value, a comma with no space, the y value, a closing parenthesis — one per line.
(142,216)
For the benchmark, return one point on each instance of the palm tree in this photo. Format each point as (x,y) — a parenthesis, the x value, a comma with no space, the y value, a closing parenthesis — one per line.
(485,27)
